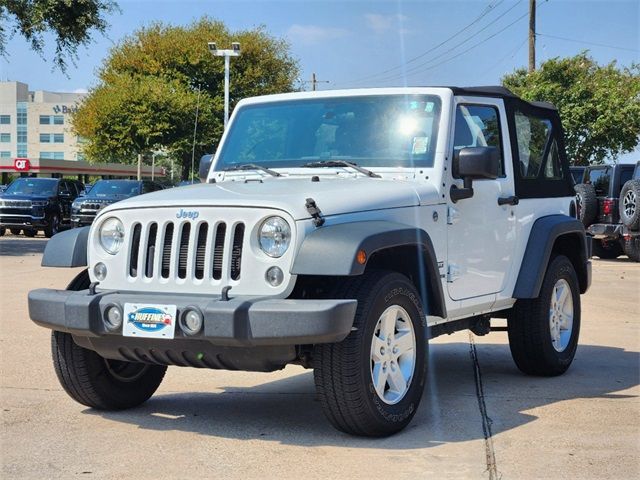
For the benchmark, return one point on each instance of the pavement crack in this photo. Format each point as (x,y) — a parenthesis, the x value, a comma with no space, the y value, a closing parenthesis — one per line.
(490,455)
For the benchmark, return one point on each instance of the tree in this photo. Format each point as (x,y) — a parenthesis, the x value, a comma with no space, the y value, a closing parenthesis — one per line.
(70,21)
(153,82)
(599,105)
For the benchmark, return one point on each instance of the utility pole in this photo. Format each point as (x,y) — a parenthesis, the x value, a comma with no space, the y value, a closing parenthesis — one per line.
(314,82)
(532,35)
(227,54)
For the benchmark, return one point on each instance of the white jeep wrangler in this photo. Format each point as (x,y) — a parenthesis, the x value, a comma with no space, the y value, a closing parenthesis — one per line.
(338,230)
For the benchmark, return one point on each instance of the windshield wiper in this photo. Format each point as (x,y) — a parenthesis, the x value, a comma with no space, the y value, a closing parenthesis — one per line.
(341,163)
(253,166)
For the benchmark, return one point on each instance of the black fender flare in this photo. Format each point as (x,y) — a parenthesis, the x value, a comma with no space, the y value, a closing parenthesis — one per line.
(545,232)
(67,249)
(332,251)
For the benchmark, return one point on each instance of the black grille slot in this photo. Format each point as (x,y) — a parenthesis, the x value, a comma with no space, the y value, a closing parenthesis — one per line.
(218,251)
(183,252)
(135,249)
(236,251)
(201,245)
(166,251)
(151,250)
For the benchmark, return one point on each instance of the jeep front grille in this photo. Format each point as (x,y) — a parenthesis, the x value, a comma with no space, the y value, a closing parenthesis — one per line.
(182,249)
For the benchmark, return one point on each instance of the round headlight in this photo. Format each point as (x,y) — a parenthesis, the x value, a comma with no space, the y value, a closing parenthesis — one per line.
(275,236)
(112,235)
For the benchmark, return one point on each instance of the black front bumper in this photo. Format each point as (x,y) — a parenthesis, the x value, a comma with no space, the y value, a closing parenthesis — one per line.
(23,221)
(240,321)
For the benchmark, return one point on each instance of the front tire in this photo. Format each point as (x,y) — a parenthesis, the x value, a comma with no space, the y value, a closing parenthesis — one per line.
(53,226)
(371,383)
(98,382)
(543,331)
(30,233)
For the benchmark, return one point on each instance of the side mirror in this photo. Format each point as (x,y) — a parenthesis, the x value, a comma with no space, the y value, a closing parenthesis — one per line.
(474,163)
(205,165)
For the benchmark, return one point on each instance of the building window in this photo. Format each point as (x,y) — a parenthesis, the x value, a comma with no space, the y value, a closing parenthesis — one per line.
(5,137)
(5,119)
(45,120)
(58,138)
(45,138)
(21,121)
(5,154)
(22,136)
(21,117)
(52,155)
(58,120)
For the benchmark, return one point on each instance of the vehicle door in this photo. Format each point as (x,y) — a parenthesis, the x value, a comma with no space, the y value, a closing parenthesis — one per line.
(65,199)
(481,231)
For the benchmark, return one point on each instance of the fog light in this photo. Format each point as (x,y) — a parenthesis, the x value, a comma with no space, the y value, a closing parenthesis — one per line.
(274,276)
(113,317)
(191,321)
(100,271)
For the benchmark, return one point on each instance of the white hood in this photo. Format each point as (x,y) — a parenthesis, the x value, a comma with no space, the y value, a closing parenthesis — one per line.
(333,196)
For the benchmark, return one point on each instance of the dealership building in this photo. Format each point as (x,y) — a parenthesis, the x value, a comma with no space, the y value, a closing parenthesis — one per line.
(36,136)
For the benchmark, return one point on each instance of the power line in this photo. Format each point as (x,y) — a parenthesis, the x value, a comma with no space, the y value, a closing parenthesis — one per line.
(487,10)
(420,67)
(587,43)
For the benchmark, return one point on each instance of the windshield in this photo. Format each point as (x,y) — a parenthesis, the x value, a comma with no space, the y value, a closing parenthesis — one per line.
(32,186)
(373,131)
(115,188)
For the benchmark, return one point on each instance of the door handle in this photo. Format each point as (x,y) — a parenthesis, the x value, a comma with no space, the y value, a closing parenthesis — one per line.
(512,200)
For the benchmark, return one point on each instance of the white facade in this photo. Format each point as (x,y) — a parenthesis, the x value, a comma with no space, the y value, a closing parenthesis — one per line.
(36,124)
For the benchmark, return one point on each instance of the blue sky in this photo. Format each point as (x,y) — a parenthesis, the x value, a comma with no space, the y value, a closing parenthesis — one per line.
(353,43)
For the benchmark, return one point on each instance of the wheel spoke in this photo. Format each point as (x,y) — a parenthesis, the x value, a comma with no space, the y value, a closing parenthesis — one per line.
(388,324)
(377,348)
(397,382)
(404,343)
(564,291)
(379,378)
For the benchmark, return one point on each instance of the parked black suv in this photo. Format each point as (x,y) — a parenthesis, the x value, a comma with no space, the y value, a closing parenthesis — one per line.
(608,205)
(31,204)
(106,192)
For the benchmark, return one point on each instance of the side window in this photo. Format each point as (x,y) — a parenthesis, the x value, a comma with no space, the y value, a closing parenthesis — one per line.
(62,186)
(478,126)
(73,188)
(532,134)
(552,169)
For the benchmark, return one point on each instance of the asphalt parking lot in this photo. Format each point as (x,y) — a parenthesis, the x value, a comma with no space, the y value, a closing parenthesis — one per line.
(480,418)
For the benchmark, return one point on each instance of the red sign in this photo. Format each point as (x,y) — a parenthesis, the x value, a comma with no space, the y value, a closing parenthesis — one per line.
(22,164)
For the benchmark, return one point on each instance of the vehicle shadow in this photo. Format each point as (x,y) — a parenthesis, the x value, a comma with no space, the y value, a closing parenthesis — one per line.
(19,247)
(287,411)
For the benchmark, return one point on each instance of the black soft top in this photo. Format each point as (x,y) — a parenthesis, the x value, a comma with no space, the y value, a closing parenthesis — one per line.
(497,91)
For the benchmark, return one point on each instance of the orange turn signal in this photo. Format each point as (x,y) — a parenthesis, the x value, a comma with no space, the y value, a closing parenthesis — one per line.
(361,257)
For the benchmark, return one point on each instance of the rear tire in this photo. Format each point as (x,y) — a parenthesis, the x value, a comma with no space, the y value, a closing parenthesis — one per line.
(543,331)
(15,231)
(2,231)
(587,203)
(607,250)
(388,344)
(95,381)
(29,233)
(632,248)
(629,204)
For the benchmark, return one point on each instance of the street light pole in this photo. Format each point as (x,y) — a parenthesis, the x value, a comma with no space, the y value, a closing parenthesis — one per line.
(227,54)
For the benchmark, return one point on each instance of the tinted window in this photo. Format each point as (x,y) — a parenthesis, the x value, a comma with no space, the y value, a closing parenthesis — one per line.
(577,175)
(552,168)
(600,178)
(370,131)
(478,126)
(625,176)
(532,134)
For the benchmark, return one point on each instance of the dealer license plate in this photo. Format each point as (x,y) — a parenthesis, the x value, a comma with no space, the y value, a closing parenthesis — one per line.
(149,320)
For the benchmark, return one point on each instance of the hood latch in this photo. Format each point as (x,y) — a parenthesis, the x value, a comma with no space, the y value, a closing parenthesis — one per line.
(315,212)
